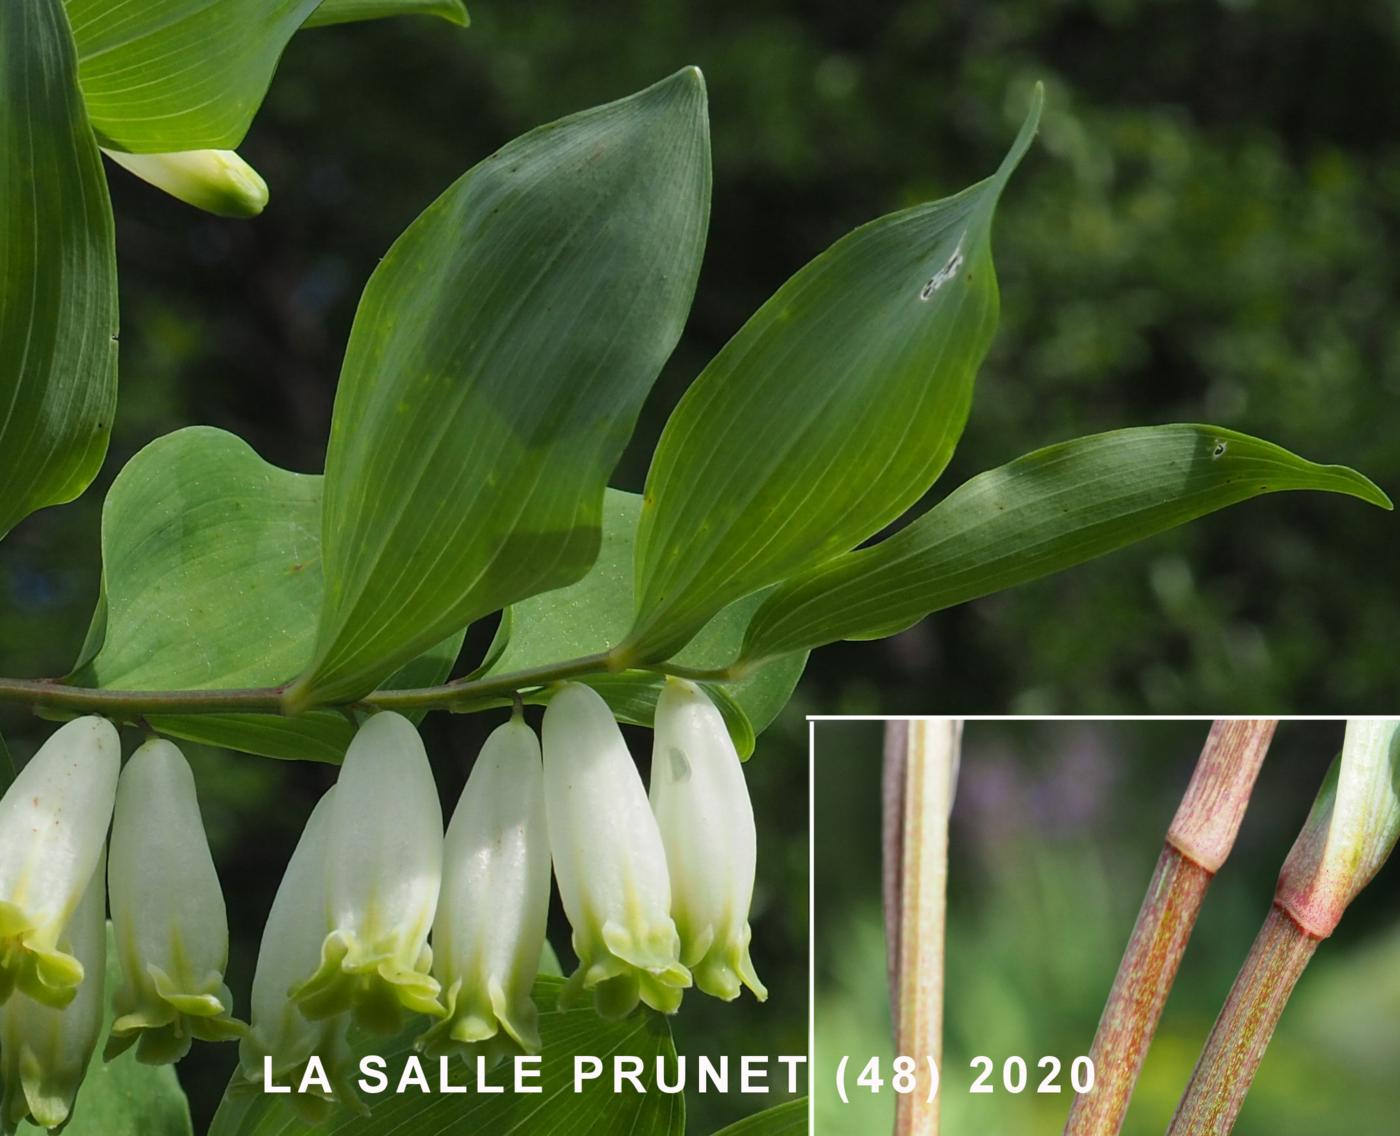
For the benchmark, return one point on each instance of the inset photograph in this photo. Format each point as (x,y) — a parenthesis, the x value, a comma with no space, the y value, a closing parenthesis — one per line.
(1098,926)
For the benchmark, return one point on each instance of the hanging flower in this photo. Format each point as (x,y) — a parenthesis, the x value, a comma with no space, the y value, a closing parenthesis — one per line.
(383,872)
(44,1052)
(490,926)
(608,859)
(217,181)
(53,825)
(291,948)
(702,807)
(167,914)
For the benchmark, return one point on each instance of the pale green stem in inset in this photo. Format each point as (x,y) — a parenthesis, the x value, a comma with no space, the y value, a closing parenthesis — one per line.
(926,752)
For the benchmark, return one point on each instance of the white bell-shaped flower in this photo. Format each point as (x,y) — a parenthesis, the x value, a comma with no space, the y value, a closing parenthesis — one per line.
(383,873)
(608,859)
(168,913)
(217,181)
(281,1040)
(490,926)
(44,1052)
(702,806)
(53,827)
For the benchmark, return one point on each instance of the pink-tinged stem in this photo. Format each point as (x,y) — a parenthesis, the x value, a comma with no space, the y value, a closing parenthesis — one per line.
(1198,843)
(1222,1077)
(925,752)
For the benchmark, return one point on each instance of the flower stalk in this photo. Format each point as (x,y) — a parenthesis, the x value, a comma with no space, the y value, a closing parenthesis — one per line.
(921,761)
(1198,842)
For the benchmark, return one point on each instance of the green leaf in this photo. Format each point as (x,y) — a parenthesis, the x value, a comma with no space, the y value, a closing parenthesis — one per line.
(163,75)
(124,1097)
(58,271)
(593,614)
(1046,511)
(788,1119)
(498,361)
(556,1111)
(211,579)
(352,11)
(830,412)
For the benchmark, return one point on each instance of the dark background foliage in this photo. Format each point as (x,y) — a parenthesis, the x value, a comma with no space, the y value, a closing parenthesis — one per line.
(1202,233)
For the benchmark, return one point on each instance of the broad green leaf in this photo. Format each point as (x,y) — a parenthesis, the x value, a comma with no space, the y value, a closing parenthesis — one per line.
(1046,511)
(789,1119)
(352,11)
(829,413)
(124,1097)
(497,363)
(556,1111)
(211,579)
(58,271)
(163,75)
(593,614)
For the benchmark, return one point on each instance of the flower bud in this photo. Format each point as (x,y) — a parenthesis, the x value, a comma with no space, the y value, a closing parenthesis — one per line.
(383,871)
(702,807)
(168,914)
(53,825)
(217,181)
(609,860)
(44,1052)
(490,926)
(291,949)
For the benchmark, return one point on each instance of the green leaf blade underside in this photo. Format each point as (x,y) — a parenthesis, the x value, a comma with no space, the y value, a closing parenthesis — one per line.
(164,75)
(788,1119)
(497,364)
(352,11)
(122,1097)
(593,614)
(826,416)
(211,573)
(1049,510)
(556,1111)
(58,271)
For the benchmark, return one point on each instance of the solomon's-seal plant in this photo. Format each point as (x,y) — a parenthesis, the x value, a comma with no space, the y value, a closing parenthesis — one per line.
(490,926)
(53,827)
(383,870)
(609,860)
(168,915)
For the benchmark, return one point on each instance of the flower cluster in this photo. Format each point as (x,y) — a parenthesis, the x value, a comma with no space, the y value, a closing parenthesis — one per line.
(57,874)
(657,888)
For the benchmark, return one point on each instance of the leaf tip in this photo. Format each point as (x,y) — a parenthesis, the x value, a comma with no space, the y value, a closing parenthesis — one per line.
(1030,126)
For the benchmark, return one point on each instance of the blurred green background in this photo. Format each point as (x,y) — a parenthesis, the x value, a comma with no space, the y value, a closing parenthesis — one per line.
(1055,832)
(1203,232)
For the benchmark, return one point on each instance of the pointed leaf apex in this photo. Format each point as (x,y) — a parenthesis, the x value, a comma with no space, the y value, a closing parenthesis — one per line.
(1024,137)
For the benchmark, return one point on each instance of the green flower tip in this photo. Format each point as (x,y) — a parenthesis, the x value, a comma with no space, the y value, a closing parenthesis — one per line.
(216,181)
(162,1020)
(374,987)
(48,975)
(483,1023)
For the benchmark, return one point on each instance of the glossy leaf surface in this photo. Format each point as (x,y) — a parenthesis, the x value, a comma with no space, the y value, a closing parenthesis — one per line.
(593,615)
(352,11)
(789,1119)
(212,579)
(497,363)
(829,413)
(58,285)
(1046,511)
(163,75)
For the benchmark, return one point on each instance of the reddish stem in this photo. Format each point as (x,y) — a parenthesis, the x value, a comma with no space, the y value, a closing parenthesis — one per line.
(1227,1066)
